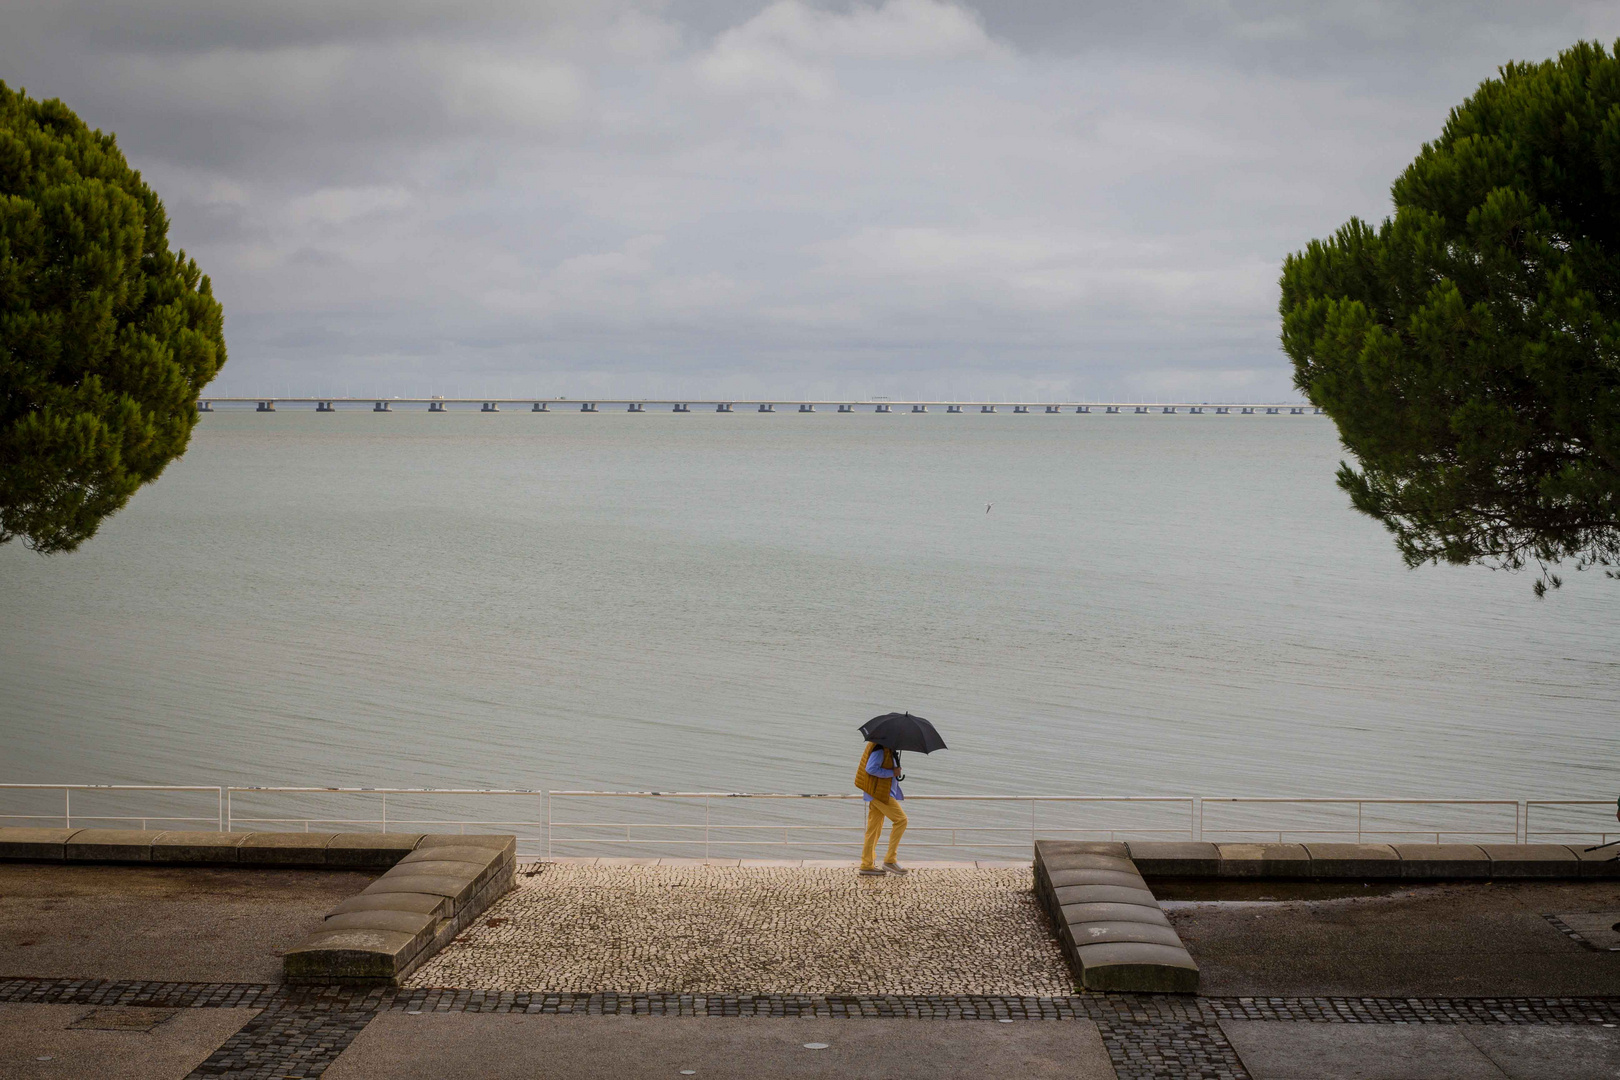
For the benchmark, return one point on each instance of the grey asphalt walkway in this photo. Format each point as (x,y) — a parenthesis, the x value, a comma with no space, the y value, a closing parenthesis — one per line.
(75,1042)
(467,1046)
(1278,1050)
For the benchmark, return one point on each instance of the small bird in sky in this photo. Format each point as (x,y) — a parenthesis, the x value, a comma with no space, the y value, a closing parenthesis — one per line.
(987,507)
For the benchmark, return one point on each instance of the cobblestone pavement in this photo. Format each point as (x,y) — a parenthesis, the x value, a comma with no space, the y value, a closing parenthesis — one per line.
(1168,1037)
(760,930)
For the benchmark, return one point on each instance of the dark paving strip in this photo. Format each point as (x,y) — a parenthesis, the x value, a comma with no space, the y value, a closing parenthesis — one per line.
(1149,1037)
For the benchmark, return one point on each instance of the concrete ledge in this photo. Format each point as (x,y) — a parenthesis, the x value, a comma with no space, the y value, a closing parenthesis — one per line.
(368,850)
(110,845)
(1440,862)
(1509,861)
(50,844)
(1366,862)
(1264,861)
(1597,864)
(207,848)
(1160,858)
(284,849)
(1114,935)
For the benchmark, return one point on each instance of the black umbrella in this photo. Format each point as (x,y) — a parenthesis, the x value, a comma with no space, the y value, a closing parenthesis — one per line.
(902,731)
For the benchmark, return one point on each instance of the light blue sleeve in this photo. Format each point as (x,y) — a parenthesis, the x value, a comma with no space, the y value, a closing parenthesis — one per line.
(874,764)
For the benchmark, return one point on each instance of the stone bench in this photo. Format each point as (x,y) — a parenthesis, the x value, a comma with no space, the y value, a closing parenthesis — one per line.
(408,914)
(1370,862)
(435,885)
(1113,932)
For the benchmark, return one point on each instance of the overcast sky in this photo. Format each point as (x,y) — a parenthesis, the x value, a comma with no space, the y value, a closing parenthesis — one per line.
(1030,198)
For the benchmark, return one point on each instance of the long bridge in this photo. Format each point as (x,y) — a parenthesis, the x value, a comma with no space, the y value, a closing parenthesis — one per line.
(766,405)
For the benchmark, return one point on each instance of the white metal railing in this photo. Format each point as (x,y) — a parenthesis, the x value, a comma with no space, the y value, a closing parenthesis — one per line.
(67,815)
(382,822)
(997,823)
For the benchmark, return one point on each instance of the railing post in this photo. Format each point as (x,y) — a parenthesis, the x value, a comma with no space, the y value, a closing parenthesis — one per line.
(67,808)
(222,808)
(1521,821)
(545,807)
(1195,815)
(385,811)
(1359,806)
(706,829)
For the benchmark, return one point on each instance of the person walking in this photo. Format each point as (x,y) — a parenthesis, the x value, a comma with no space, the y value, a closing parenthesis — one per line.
(878,777)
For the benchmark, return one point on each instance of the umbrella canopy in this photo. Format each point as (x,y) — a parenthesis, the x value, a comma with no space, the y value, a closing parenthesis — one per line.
(902,731)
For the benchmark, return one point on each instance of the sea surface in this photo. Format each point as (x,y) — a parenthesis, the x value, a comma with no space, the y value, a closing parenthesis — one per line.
(1084,605)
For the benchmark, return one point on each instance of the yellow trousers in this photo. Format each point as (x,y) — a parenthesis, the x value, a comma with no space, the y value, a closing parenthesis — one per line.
(876,811)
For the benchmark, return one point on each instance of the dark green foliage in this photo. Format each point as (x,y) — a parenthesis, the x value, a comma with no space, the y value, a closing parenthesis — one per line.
(106,336)
(1469,348)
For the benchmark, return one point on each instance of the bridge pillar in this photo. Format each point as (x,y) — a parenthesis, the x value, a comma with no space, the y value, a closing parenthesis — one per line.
(382,406)
(1296,412)
(884,408)
(1317,412)
(953,408)
(807,408)
(1245,412)
(266,406)
(1141,409)
(1082,408)
(1196,410)
(636,406)
(846,408)
(1271,412)
(1168,409)
(766,406)
(436,406)
(1053,409)
(1109,410)
(540,406)
(588,406)
(1020,408)
(324,406)
(491,406)
(681,406)
(919,408)
(1222,411)
(205,406)
(724,406)
(987,408)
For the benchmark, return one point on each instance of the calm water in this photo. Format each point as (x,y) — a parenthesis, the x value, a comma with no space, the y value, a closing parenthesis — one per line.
(1153,605)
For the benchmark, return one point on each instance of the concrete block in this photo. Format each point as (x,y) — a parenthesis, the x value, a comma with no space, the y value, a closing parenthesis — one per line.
(1532,861)
(457,888)
(1185,858)
(1081,861)
(440,907)
(111,845)
(18,843)
(482,861)
(351,956)
(1264,861)
(1363,862)
(1129,879)
(505,844)
(422,927)
(1137,967)
(1597,864)
(1078,913)
(1098,933)
(1440,862)
(211,848)
(284,848)
(477,872)
(370,850)
(1050,848)
(1103,894)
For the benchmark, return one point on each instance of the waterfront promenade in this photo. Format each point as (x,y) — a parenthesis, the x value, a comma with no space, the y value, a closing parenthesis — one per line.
(663,968)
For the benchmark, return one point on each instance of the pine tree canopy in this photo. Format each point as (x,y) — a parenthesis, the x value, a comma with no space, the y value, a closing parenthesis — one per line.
(1469,347)
(106,336)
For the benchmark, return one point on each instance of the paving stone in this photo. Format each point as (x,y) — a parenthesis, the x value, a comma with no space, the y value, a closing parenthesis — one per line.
(441,907)
(284,849)
(110,845)
(379,850)
(1439,862)
(22,843)
(1264,860)
(1139,967)
(1175,858)
(1363,862)
(1531,861)
(213,848)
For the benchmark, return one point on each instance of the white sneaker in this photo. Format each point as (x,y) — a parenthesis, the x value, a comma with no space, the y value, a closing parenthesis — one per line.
(895,868)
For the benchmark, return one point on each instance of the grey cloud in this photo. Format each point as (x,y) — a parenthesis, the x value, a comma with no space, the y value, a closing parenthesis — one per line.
(905,196)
